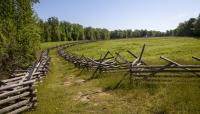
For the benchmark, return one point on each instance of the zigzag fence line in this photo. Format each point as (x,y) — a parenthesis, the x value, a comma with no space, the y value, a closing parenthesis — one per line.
(116,62)
(18,93)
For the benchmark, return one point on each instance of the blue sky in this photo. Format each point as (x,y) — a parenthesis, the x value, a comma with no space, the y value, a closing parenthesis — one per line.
(121,14)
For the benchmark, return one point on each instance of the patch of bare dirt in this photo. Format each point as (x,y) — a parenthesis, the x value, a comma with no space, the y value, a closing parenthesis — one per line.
(89,95)
(67,83)
(80,81)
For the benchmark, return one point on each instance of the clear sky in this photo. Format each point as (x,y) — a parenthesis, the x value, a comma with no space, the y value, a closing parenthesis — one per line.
(121,14)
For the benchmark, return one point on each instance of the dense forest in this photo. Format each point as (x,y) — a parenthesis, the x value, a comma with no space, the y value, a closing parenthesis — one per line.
(55,30)
(21,32)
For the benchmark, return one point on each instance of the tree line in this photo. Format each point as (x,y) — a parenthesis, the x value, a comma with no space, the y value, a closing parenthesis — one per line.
(190,27)
(116,34)
(55,30)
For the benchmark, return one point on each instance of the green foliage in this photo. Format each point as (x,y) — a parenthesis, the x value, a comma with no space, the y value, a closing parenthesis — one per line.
(90,33)
(77,32)
(197,27)
(28,44)
(55,30)
(187,28)
(136,33)
(3,48)
(19,33)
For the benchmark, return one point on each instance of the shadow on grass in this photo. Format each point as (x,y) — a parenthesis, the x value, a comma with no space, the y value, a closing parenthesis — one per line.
(198,38)
(123,80)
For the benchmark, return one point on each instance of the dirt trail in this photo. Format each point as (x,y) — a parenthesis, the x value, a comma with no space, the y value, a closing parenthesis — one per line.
(64,92)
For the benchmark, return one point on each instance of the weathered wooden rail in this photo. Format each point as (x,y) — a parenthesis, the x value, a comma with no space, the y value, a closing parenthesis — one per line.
(116,62)
(17,94)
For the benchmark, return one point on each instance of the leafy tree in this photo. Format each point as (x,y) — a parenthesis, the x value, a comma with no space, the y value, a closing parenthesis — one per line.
(54,28)
(89,33)
(196,25)
(77,32)
(105,34)
(129,33)
(63,32)
(185,28)
(18,32)
(67,29)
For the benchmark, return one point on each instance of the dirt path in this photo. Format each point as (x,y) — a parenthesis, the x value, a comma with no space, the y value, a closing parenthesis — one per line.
(64,92)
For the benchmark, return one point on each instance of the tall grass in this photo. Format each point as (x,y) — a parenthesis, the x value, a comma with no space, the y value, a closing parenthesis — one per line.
(178,49)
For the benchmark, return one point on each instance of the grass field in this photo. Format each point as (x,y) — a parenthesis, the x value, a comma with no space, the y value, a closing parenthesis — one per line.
(67,91)
(51,44)
(179,49)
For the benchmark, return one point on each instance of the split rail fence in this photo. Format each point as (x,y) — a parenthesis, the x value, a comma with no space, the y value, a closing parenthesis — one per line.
(18,93)
(116,62)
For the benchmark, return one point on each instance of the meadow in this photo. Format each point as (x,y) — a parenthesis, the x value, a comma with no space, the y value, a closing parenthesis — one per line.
(46,45)
(180,49)
(67,90)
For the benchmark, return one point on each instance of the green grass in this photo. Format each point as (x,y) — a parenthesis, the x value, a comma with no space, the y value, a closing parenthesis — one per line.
(179,49)
(60,92)
(51,44)
(52,94)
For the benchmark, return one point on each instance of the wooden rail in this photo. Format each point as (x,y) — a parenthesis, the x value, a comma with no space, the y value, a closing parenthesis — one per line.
(196,58)
(111,63)
(18,94)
